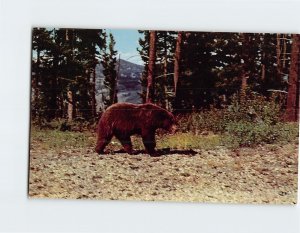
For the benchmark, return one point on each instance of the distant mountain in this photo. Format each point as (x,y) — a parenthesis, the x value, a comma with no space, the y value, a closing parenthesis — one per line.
(128,83)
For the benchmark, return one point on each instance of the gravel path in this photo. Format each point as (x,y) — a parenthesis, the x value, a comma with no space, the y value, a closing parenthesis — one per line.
(266,174)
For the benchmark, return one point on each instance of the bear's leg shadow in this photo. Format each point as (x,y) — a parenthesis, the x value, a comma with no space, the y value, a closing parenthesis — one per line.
(126,143)
(149,142)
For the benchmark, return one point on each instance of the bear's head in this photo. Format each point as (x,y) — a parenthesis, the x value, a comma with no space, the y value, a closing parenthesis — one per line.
(167,121)
(158,117)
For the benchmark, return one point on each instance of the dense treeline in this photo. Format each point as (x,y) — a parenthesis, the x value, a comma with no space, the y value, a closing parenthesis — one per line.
(63,72)
(238,85)
(183,71)
(204,70)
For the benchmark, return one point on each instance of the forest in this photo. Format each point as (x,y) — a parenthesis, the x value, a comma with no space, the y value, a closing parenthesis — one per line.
(233,79)
(235,97)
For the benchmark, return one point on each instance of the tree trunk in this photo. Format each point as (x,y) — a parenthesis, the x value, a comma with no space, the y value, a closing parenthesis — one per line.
(292,107)
(165,70)
(67,35)
(278,55)
(245,65)
(244,86)
(115,96)
(166,101)
(93,92)
(177,60)
(70,106)
(35,87)
(151,67)
(53,87)
(263,67)
(284,51)
(61,105)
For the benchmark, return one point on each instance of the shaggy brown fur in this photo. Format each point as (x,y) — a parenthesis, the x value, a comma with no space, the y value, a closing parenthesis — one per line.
(124,119)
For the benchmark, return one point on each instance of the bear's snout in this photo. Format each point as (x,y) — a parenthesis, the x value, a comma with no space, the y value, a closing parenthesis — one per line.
(173,129)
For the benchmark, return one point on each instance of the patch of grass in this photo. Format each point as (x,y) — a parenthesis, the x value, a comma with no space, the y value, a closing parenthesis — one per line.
(179,140)
(188,141)
(237,134)
(56,139)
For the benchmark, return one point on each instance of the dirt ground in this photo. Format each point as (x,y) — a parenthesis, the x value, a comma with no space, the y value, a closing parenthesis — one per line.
(266,174)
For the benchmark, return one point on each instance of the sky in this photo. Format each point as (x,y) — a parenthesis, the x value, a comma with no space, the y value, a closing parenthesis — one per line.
(127,44)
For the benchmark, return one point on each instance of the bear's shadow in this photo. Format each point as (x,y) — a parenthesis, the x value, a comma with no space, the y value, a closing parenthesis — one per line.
(161,152)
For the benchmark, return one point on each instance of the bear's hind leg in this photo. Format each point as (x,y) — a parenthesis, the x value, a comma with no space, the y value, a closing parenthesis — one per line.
(126,143)
(102,143)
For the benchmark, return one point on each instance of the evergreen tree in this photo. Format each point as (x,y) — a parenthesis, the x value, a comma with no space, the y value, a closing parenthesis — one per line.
(196,85)
(162,80)
(43,81)
(91,41)
(108,62)
(63,61)
(144,53)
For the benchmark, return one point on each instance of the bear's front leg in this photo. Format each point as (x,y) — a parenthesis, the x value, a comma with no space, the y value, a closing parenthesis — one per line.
(149,142)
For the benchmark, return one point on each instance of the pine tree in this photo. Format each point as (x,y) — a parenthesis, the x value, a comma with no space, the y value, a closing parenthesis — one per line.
(63,61)
(91,41)
(162,80)
(144,53)
(44,82)
(108,62)
(196,84)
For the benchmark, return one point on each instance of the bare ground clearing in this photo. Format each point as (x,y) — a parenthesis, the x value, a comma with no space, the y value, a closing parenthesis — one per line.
(266,174)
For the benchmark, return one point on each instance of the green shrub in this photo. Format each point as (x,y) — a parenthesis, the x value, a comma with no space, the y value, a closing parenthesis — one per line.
(251,121)
(196,122)
(254,108)
(287,132)
(245,133)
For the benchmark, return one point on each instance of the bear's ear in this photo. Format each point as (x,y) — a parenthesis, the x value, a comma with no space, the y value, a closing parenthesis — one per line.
(148,115)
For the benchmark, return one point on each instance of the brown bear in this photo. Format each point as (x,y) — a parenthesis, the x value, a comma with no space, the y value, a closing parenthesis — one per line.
(123,120)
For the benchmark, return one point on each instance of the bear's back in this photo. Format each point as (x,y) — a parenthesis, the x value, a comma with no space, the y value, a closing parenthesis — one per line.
(121,113)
